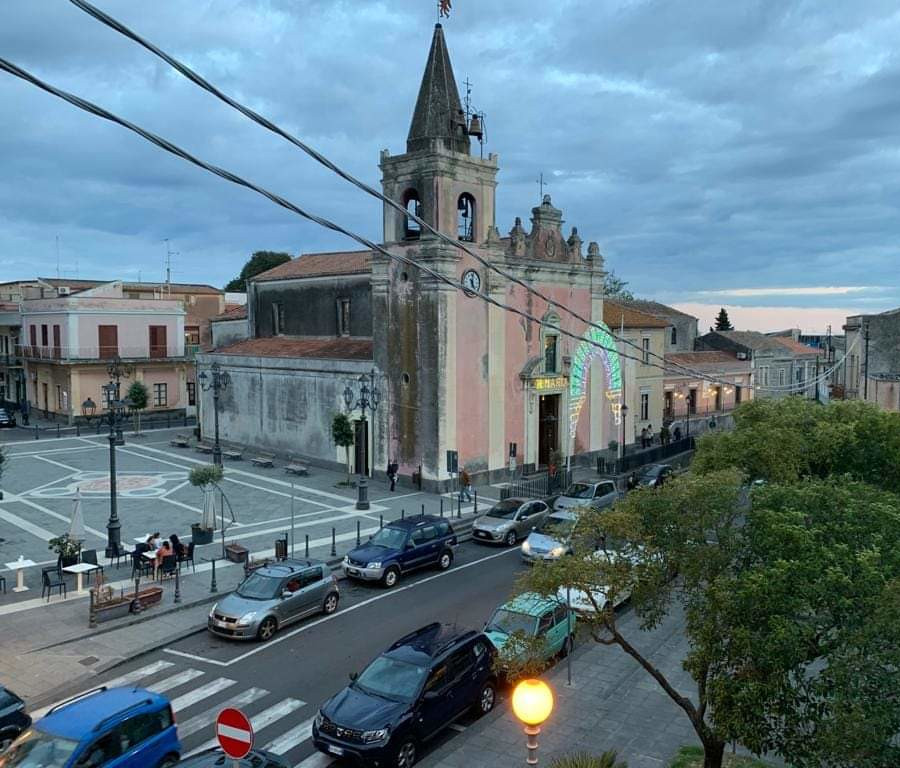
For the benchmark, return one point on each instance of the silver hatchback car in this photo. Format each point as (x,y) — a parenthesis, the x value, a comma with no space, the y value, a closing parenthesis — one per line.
(509,521)
(273,596)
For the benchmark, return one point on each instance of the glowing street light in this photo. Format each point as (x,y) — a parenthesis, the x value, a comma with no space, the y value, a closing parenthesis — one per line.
(532,703)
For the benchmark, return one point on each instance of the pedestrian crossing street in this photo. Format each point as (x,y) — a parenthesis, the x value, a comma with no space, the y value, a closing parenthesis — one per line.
(282,726)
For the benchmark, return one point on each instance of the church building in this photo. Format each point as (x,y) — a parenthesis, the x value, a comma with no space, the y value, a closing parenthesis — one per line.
(452,372)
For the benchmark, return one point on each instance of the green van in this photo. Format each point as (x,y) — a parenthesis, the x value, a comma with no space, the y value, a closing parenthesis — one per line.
(534,617)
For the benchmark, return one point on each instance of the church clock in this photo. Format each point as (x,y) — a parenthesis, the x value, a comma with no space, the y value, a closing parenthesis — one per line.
(471,281)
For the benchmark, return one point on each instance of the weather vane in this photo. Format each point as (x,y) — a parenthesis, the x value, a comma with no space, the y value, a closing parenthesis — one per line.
(443,9)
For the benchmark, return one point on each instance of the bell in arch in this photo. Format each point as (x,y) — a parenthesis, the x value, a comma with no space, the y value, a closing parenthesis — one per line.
(475,128)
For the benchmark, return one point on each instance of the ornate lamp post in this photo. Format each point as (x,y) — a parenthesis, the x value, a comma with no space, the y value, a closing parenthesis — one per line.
(532,703)
(216,380)
(368,399)
(115,410)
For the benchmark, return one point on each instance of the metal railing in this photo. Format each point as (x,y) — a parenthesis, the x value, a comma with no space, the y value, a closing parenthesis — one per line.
(645,456)
(539,486)
(51,353)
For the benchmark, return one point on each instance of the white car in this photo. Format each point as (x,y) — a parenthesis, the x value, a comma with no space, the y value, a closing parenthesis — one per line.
(580,601)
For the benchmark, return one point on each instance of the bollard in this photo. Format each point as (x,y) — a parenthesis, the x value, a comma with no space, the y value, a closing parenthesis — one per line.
(402,514)
(362,497)
(92,616)
(136,606)
(333,541)
(306,547)
(423,510)
(78,430)
(212,585)
(357,533)
(442,506)
(459,508)
(57,431)
(168,421)
(475,511)
(36,436)
(177,584)
(380,522)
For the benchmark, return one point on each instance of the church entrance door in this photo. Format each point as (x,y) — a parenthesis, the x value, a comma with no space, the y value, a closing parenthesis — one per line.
(548,427)
(361,446)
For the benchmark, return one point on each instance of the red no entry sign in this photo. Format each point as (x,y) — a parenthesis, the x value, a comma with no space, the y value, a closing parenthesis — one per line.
(234,732)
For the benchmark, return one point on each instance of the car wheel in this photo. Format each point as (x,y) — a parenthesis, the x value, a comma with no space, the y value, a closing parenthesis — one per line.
(486,699)
(510,539)
(391,576)
(406,754)
(267,629)
(445,561)
(331,603)
(168,762)
(5,740)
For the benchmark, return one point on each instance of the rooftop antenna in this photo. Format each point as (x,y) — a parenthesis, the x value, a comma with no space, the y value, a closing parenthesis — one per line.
(169,255)
(541,183)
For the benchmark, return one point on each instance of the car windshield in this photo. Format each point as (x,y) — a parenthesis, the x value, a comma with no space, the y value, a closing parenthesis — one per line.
(391,679)
(557,526)
(36,749)
(259,587)
(507,622)
(392,538)
(579,491)
(505,509)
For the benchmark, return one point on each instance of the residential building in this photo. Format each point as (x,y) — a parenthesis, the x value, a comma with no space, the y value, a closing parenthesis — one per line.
(681,330)
(872,370)
(231,326)
(831,355)
(12,369)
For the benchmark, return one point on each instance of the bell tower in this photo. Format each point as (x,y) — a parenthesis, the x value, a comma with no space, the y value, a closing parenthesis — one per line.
(438,177)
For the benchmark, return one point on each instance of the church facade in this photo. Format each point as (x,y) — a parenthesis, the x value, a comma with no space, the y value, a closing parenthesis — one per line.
(453,372)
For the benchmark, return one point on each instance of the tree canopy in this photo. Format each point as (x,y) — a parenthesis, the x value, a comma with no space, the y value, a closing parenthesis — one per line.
(259,262)
(137,393)
(723,323)
(615,288)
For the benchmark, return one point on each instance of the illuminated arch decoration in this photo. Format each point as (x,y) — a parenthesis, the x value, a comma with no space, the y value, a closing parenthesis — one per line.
(585,352)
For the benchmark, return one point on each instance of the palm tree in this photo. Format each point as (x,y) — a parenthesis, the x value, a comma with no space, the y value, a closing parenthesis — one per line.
(583,760)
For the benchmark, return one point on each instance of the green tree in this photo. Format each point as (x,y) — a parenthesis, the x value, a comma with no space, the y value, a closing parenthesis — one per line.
(722,321)
(342,434)
(137,393)
(259,262)
(608,759)
(615,288)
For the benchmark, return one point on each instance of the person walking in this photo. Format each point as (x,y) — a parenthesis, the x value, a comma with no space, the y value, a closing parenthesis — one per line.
(650,436)
(643,437)
(392,474)
(631,483)
(465,485)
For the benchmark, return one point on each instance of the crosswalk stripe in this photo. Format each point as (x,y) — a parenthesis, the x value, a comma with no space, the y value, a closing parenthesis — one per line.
(290,739)
(316,760)
(206,719)
(265,718)
(203,692)
(128,678)
(173,682)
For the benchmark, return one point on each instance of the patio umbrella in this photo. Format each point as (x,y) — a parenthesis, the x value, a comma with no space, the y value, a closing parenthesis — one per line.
(208,520)
(76,526)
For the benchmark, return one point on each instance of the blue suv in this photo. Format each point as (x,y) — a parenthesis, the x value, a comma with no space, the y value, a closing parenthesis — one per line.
(416,688)
(103,728)
(402,546)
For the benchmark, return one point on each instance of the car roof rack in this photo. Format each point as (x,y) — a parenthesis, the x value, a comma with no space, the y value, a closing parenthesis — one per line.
(79,697)
(121,712)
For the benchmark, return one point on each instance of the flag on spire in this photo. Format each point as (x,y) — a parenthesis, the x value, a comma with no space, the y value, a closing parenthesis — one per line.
(445,8)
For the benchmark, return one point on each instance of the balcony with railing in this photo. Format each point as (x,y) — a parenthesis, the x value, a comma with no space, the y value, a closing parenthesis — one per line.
(96,353)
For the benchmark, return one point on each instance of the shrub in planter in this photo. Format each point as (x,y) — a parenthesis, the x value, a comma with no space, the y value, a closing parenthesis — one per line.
(200,535)
(583,760)
(67,549)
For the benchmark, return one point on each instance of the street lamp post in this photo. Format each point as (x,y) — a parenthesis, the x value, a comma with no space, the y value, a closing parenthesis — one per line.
(368,399)
(115,410)
(217,381)
(532,703)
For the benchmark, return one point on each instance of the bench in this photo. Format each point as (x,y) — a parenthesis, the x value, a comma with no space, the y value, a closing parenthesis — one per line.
(203,448)
(233,454)
(263,460)
(180,441)
(295,467)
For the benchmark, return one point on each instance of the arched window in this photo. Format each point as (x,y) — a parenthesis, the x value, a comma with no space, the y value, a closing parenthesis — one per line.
(550,338)
(411,229)
(465,219)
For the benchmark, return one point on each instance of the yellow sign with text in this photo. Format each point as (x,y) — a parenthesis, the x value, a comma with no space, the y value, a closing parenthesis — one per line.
(550,382)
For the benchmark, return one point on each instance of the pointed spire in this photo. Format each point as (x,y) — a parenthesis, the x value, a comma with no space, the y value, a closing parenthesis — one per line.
(438,114)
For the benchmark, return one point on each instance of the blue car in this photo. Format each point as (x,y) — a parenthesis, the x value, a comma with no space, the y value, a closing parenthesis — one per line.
(403,546)
(103,728)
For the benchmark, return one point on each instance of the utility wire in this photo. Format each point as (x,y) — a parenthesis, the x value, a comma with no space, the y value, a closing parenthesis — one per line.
(168,146)
(200,81)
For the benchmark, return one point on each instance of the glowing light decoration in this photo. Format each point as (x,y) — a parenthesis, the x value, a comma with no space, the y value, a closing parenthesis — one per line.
(585,352)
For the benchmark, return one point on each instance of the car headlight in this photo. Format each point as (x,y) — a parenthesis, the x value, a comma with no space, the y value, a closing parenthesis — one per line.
(213,609)
(320,718)
(379,735)
(246,619)
(558,551)
(526,547)
(376,564)
(346,559)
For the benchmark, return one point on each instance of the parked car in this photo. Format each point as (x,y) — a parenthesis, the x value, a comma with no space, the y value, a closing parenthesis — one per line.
(103,728)
(13,719)
(272,597)
(6,418)
(585,605)
(552,539)
(215,758)
(509,520)
(597,495)
(403,546)
(420,685)
(654,475)
(535,617)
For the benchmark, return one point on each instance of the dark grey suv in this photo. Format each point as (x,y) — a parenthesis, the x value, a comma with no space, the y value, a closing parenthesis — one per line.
(275,595)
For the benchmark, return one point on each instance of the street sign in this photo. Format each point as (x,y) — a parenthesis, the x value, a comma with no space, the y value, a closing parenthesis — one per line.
(234,732)
(452,462)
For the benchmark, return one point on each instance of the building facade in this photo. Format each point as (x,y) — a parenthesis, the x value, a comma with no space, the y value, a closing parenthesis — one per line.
(872,367)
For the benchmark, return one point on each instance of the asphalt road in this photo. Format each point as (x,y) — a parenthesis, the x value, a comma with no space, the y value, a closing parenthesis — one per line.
(282,683)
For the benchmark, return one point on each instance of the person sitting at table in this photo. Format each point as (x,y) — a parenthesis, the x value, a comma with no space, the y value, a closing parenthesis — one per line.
(177,546)
(154,540)
(165,549)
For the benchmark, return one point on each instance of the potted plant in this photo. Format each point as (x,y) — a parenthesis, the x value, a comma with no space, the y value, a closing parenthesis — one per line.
(66,548)
(107,605)
(206,478)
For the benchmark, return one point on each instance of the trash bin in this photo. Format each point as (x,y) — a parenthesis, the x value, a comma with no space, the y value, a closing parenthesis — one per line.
(235,553)
(281,549)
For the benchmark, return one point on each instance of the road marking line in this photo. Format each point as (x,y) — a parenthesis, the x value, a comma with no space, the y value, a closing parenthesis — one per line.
(290,739)
(316,760)
(204,692)
(117,682)
(19,522)
(10,496)
(58,464)
(173,682)
(205,719)
(22,454)
(306,627)
(262,720)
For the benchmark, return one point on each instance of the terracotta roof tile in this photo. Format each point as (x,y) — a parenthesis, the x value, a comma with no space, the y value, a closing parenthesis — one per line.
(797,347)
(319,265)
(281,346)
(237,312)
(711,362)
(616,314)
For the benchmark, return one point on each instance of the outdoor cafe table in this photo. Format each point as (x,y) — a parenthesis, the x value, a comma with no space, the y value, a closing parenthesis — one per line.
(150,556)
(19,567)
(79,569)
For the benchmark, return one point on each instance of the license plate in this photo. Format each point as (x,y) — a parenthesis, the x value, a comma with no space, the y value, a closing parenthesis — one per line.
(353,571)
(335,750)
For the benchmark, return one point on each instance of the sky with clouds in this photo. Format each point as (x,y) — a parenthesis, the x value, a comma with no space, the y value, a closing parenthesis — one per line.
(745,155)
